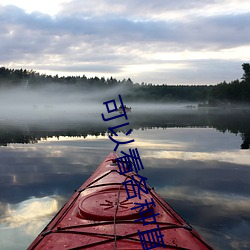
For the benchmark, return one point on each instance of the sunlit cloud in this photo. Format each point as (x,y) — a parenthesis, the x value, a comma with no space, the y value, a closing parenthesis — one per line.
(185,42)
(188,56)
(46,6)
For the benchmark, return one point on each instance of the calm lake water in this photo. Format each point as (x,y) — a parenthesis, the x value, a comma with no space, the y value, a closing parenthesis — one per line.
(197,160)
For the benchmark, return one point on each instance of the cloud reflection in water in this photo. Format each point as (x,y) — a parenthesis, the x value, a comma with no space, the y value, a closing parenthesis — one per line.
(205,179)
(25,220)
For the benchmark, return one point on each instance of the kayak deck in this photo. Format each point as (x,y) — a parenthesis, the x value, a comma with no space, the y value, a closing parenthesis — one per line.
(99,215)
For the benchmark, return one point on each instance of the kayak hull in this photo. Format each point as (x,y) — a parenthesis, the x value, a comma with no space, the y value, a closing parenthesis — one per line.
(99,215)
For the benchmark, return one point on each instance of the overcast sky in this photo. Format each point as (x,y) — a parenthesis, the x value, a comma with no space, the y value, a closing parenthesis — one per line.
(154,41)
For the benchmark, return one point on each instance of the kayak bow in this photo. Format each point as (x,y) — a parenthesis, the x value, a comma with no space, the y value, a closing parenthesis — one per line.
(99,215)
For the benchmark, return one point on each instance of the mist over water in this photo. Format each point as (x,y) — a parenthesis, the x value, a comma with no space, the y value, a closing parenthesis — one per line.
(58,109)
(61,102)
(54,102)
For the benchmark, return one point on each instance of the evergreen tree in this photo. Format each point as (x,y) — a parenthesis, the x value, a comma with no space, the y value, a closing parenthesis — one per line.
(246,69)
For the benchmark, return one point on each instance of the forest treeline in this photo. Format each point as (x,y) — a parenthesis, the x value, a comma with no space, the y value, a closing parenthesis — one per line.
(236,91)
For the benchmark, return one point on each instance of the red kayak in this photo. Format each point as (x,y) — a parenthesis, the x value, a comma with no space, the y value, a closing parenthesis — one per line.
(105,214)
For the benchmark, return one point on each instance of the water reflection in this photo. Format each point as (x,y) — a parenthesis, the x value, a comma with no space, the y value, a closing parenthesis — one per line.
(195,167)
(233,121)
(20,222)
(29,210)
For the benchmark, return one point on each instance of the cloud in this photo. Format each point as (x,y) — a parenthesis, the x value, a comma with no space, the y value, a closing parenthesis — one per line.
(157,9)
(116,30)
(127,39)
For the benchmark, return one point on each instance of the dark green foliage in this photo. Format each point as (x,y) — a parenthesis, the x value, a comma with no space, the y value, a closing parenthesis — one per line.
(220,94)
(246,69)
(234,92)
